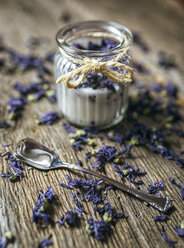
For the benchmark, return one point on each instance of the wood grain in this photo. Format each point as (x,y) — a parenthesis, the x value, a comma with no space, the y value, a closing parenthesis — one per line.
(161,23)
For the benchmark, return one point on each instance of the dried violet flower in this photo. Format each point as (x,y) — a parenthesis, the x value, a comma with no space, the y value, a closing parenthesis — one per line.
(170,242)
(71,219)
(34,91)
(4,124)
(140,68)
(15,165)
(98,228)
(8,238)
(108,213)
(105,154)
(15,106)
(154,188)
(177,185)
(80,137)
(140,42)
(46,242)
(47,119)
(89,186)
(69,128)
(127,171)
(180,230)
(161,218)
(40,212)
(166,61)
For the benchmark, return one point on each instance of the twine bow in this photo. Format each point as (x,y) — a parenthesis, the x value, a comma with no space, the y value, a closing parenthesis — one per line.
(94,65)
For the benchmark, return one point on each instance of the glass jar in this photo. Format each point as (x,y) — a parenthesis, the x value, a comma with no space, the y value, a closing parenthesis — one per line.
(99,99)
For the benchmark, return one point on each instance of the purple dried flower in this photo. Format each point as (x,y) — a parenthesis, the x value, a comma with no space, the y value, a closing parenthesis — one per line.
(172,90)
(161,218)
(80,183)
(179,231)
(3,243)
(77,146)
(79,195)
(77,203)
(48,118)
(170,242)
(50,57)
(166,61)
(65,186)
(40,214)
(94,195)
(15,106)
(139,216)
(69,128)
(105,154)
(8,238)
(39,94)
(98,228)
(79,162)
(140,68)
(108,213)
(79,212)
(154,188)
(15,164)
(46,242)
(140,42)
(177,185)
(4,124)
(71,219)
(130,173)
(90,130)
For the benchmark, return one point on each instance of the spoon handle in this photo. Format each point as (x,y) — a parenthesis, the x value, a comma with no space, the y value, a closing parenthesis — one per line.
(160,203)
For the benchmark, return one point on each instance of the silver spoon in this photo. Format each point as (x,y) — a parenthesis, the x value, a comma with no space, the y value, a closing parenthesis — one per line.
(39,156)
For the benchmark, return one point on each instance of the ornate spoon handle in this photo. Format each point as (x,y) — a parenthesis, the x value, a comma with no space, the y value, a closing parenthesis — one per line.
(163,204)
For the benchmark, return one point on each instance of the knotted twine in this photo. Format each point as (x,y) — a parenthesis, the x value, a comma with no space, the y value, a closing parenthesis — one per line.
(94,65)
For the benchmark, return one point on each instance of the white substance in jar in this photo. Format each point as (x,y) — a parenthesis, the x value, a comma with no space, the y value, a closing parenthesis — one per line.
(87,106)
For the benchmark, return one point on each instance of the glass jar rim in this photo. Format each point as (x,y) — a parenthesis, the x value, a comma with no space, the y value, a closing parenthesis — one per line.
(121,33)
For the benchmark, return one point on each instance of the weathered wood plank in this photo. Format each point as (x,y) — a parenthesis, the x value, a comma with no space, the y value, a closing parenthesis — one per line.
(18,21)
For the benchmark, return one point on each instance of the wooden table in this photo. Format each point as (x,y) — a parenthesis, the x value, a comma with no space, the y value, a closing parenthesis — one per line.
(161,23)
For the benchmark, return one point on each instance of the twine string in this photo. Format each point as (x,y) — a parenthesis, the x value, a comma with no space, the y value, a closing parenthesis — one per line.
(94,65)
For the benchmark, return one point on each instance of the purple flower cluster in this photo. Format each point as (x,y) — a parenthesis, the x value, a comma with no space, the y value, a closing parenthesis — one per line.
(161,218)
(7,239)
(128,171)
(177,185)
(47,119)
(105,45)
(15,107)
(180,230)
(40,212)
(81,136)
(71,219)
(89,186)
(36,90)
(166,61)
(98,228)
(79,210)
(140,42)
(105,155)
(3,243)
(171,243)
(154,188)
(46,242)
(4,124)
(108,213)
(15,165)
